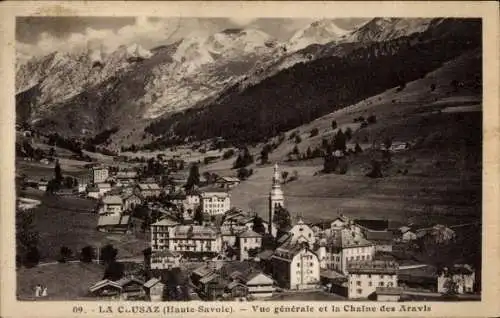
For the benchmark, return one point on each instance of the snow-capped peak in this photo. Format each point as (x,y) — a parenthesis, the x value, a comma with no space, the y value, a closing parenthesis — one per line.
(136,50)
(318,32)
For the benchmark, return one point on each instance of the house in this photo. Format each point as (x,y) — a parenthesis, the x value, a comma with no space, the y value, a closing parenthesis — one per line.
(93,192)
(103,188)
(111,205)
(227,182)
(194,238)
(365,276)
(106,288)
(249,241)
(131,288)
(99,174)
(458,279)
(165,259)
(153,289)
(130,201)
(42,185)
(437,234)
(407,234)
(117,223)
(215,202)
(160,232)
(301,233)
(296,267)
(148,190)
(343,246)
(392,294)
(259,285)
(126,177)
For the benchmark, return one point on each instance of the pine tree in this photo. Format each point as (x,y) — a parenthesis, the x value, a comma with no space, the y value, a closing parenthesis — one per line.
(58,173)
(193,178)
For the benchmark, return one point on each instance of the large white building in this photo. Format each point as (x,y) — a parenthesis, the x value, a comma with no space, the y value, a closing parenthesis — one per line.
(363,277)
(160,234)
(344,246)
(99,174)
(215,203)
(194,238)
(296,266)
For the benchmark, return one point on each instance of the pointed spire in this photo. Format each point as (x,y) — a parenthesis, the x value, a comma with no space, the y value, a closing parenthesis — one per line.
(276,175)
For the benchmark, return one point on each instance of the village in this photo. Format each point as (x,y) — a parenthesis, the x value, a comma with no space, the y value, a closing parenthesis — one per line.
(201,247)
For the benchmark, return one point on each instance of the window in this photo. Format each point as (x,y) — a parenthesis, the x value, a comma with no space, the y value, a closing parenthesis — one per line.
(370,284)
(298,264)
(358,283)
(369,275)
(390,284)
(311,264)
(381,284)
(381,276)
(359,291)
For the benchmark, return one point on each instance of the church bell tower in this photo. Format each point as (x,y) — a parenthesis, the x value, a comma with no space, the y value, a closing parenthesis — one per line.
(276,197)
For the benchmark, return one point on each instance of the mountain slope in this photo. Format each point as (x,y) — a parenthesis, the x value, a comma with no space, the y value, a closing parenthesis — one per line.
(91,92)
(306,91)
(318,32)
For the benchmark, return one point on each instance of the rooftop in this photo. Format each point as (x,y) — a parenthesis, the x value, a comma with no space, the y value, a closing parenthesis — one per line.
(165,222)
(113,220)
(112,199)
(148,186)
(150,283)
(373,267)
(379,235)
(249,233)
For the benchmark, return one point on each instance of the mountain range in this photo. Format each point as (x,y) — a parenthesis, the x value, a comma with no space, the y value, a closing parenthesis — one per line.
(215,85)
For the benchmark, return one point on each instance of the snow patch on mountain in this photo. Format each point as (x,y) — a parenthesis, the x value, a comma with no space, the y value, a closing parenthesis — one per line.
(318,32)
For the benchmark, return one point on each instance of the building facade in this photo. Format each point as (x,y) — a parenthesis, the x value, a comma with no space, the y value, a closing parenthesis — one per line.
(365,276)
(99,174)
(296,267)
(249,240)
(215,203)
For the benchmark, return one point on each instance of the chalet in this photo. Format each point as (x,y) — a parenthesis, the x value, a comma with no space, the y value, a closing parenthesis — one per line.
(113,223)
(339,222)
(408,234)
(148,190)
(93,192)
(131,288)
(103,188)
(42,185)
(227,182)
(130,201)
(153,289)
(126,177)
(111,205)
(106,288)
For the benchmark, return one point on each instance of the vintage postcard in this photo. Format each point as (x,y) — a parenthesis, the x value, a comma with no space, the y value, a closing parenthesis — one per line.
(249,159)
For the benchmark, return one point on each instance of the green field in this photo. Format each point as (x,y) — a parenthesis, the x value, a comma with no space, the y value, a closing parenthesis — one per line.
(69,221)
(63,281)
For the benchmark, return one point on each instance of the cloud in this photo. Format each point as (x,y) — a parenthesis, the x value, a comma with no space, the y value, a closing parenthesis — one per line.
(146,32)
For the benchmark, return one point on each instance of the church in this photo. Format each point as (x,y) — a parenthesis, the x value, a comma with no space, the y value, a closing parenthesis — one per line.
(295,264)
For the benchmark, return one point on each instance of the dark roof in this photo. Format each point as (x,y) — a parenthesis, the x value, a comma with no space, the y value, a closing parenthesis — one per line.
(373,224)
(265,255)
(379,236)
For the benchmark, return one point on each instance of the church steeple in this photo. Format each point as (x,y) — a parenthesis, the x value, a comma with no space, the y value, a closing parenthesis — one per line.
(276,197)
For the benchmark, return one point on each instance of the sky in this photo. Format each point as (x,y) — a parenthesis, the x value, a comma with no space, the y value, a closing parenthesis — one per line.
(38,36)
